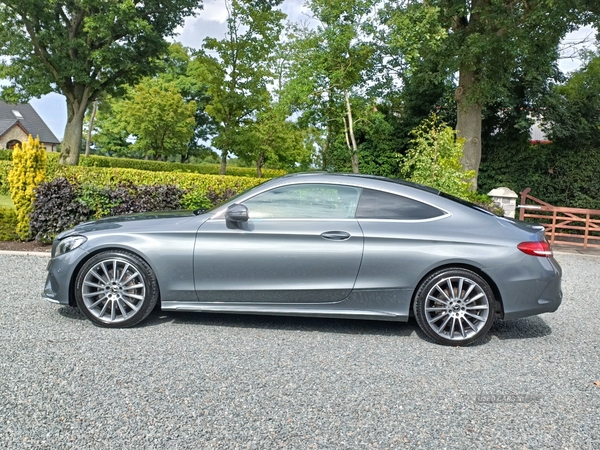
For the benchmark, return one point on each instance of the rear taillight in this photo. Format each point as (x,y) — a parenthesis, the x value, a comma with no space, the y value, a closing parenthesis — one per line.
(537,248)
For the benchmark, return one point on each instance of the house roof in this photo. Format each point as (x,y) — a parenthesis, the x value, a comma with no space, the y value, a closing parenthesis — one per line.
(28,119)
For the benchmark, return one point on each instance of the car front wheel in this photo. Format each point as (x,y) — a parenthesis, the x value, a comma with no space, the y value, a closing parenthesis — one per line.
(116,289)
(455,307)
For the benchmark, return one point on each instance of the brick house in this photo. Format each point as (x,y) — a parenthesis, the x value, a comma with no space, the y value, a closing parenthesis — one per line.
(17,122)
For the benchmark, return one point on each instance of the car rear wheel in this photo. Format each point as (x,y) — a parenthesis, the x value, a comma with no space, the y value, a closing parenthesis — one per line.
(116,289)
(455,307)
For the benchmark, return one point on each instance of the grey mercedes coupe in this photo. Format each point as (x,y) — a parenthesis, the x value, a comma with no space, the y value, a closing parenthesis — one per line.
(320,245)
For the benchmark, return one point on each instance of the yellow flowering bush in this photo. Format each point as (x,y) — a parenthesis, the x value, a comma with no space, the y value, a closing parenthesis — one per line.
(28,171)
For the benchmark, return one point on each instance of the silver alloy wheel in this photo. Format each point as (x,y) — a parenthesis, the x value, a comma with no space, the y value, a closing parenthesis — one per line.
(457,308)
(113,290)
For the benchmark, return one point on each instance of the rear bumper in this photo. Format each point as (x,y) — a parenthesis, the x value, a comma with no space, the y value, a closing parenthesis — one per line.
(531,288)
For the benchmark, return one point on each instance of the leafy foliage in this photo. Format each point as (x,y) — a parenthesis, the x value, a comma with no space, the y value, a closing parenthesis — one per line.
(159,118)
(160,166)
(241,70)
(8,224)
(490,44)
(5,168)
(165,115)
(128,198)
(56,208)
(271,139)
(28,171)
(572,112)
(434,159)
(331,63)
(82,49)
(62,203)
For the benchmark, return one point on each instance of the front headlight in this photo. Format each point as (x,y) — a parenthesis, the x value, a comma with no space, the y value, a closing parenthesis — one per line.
(68,244)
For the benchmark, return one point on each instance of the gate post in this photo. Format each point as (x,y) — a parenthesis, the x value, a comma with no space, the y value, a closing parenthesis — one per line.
(506,199)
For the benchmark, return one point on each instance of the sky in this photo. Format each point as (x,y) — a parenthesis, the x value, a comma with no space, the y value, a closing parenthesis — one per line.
(211,22)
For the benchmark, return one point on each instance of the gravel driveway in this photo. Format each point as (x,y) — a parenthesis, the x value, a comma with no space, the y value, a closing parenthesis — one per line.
(229,381)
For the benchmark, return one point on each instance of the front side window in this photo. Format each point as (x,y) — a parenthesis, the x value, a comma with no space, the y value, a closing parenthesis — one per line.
(383,205)
(305,201)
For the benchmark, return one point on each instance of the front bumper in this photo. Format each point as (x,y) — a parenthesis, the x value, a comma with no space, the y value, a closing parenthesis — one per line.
(61,272)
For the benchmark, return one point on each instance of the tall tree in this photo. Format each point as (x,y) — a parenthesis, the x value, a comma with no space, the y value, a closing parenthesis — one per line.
(572,113)
(81,48)
(331,63)
(240,72)
(177,70)
(159,118)
(486,41)
(272,139)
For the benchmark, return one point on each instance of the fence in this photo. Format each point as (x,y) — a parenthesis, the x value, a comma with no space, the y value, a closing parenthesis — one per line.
(567,226)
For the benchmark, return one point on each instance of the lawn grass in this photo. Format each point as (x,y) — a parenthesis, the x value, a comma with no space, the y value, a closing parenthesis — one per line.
(6,202)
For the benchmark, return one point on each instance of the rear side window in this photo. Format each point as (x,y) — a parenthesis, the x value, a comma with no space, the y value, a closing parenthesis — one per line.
(383,205)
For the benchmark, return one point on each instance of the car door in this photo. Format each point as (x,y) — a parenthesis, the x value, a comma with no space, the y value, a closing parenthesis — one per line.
(300,244)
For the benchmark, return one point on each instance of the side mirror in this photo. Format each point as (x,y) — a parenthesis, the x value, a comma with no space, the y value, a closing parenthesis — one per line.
(237,213)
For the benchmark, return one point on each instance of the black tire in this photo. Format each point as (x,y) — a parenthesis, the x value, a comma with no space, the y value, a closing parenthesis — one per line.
(455,307)
(116,289)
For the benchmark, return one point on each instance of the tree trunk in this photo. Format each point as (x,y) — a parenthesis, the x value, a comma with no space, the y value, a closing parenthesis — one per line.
(259,164)
(468,124)
(352,144)
(71,144)
(223,162)
(90,128)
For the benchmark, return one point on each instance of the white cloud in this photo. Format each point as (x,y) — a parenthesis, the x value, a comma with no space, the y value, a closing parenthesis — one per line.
(582,39)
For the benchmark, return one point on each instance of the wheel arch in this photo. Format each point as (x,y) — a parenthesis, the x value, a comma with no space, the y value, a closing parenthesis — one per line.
(475,269)
(72,301)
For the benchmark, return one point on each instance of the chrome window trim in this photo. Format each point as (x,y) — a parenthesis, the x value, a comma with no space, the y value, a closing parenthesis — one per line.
(445,214)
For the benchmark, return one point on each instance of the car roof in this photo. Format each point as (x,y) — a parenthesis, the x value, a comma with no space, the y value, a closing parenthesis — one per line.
(364,176)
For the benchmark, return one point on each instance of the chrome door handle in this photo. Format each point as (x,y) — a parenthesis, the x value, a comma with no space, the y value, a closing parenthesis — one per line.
(335,235)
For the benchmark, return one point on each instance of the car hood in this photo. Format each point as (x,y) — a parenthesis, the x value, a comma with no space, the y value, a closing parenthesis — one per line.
(129,221)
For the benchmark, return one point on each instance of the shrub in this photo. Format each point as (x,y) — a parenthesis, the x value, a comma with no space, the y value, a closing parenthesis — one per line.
(8,224)
(555,175)
(56,208)
(434,159)
(189,182)
(29,170)
(128,198)
(196,199)
(160,166)
(62,203)
(5,155)
(5,168)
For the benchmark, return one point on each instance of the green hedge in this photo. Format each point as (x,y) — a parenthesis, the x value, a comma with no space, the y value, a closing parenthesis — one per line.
(5,155)
(102,177)
(8,225)
(160,166)
(152,166)
(557,176)
(97,167)
(5,167)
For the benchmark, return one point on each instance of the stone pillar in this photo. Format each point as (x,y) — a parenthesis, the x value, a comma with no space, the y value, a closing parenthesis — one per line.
(505,199)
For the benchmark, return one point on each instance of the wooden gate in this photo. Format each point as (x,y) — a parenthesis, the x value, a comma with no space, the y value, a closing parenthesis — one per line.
(566,226)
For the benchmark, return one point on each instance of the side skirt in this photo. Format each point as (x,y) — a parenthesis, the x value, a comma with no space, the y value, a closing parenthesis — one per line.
(393,305)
